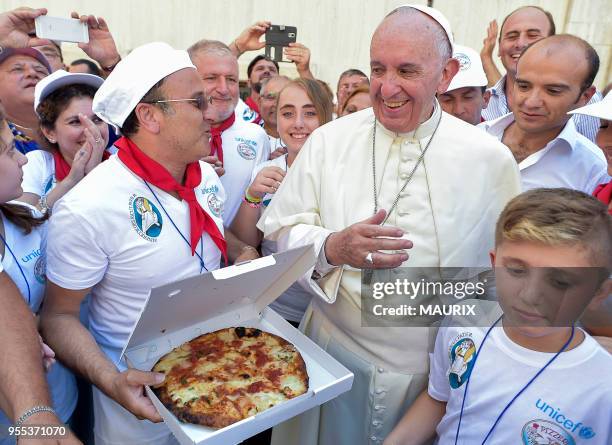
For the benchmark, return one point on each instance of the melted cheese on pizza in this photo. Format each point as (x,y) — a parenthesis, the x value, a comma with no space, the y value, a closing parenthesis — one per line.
(231,374)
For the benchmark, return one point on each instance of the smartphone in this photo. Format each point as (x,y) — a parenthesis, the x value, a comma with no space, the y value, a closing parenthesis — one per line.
(277,37)
(61,29)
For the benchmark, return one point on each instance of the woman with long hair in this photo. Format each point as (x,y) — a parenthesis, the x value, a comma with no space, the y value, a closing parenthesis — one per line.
(303,106)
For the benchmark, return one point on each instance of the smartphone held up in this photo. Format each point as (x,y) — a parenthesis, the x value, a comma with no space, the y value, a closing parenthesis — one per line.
(61,29)
(278,37)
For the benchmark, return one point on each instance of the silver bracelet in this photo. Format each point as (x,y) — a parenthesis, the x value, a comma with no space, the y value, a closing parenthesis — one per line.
(42,205)
(29,413)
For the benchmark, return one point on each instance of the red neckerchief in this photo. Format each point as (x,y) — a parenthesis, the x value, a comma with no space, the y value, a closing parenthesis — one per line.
(216,143)
(62,168)
(154,173)
(252,104)
(603,192)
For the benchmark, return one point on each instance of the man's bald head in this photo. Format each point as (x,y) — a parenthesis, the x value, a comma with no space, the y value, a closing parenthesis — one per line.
(569,48)
(400,20)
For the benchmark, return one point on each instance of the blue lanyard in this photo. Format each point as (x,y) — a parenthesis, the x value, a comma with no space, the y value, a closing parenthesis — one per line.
(20,268)
(201,254)
(517,395)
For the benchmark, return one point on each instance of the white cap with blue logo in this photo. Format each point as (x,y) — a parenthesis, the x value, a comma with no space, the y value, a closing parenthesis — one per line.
(471,73)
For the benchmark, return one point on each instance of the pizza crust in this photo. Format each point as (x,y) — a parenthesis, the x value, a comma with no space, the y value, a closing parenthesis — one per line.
(225,376)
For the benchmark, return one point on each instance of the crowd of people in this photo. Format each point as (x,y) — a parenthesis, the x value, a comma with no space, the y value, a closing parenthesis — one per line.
(122,174)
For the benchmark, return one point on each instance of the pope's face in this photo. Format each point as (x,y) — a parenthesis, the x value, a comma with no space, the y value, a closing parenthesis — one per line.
(406,72)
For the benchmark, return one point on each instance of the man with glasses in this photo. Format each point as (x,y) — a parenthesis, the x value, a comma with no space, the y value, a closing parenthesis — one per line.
(163,222)
(237,145)
(268,97)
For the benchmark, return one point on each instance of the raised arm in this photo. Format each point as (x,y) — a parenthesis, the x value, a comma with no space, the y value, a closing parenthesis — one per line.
(250,38)
(486,55)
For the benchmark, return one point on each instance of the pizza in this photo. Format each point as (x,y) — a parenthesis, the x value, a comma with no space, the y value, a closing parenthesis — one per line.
(225,376)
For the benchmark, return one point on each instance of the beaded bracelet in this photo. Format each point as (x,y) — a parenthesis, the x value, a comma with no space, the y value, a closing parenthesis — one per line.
(29,413)
(255,205)
(251,199)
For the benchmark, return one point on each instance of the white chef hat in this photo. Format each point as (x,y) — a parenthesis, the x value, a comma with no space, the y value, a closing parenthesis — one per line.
(471,73)
(133,77)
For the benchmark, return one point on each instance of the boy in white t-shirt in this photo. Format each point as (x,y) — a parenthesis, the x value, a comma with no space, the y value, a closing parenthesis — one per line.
(529,377)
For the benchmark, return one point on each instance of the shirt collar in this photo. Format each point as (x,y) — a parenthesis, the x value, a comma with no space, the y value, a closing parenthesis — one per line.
(569,134)
(424,130)
(498,88)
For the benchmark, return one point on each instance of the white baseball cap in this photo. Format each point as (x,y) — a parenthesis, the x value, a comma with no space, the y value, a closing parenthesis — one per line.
(471,73)
(601,109)
(59,79)
(133,77)
(436,15)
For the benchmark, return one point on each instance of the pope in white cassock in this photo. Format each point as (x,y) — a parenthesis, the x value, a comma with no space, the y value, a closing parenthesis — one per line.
(441,181)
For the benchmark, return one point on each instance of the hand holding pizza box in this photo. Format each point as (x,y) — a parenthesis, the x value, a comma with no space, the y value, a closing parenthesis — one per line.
(227,309)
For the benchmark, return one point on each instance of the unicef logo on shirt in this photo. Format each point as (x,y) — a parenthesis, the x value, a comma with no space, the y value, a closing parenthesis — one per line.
(215,205)
(145,217)
(462,355)
(537,432)
(246,151)
(464,61)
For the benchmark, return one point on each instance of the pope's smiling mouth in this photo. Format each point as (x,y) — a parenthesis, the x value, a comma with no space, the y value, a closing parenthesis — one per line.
(394,104)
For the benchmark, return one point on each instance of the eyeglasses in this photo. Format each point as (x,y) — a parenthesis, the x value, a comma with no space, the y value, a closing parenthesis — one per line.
(270,96)
(201,102)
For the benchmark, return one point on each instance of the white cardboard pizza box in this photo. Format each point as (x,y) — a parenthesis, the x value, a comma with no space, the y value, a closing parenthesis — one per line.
(234,296)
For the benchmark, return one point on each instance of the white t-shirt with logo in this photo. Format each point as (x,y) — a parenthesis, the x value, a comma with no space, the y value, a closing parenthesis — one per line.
(293,302)
(244,146)
(569,403)
(112,233)
(29,252)
(39,173)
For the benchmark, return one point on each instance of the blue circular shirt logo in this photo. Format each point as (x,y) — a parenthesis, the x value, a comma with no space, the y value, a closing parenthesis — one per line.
(146,218)
(462,355)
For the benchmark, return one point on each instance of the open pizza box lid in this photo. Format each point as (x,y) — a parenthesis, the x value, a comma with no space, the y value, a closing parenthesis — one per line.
(233,296)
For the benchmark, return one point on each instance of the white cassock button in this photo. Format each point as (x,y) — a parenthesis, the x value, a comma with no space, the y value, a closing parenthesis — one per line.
(381,370)
(406,159)
(404,176)
(378,407)
(379,391)
(373,438)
